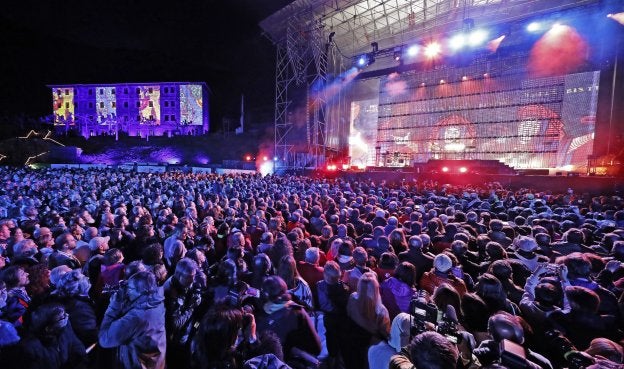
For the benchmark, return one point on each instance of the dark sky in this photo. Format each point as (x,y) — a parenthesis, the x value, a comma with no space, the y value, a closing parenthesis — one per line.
(215,41)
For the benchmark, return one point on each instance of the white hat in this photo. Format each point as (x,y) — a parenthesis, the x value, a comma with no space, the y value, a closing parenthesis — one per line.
(442,263)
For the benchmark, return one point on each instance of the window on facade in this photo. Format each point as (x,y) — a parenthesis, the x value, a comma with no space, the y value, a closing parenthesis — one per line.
(58,92)
(138,118)
(138,104)
(151,117)
(166,103)
(102,105)
(90,91)
(138,91)
(151,104)
(66,92)
(113,104)
(166,118)
(91,117)
(125,104)
(150,90)
(101,91)
(173,103)
(112,91)
(90,105)
(125,91)
(173,118)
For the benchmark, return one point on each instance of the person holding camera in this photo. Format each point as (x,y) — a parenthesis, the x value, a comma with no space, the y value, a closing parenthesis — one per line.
(427,350)
(182,296)
(134,323)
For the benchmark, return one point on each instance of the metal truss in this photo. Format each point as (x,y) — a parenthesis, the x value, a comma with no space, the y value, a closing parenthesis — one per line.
(300,32)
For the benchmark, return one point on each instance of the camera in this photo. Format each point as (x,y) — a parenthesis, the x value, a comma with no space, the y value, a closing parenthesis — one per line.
(422,312)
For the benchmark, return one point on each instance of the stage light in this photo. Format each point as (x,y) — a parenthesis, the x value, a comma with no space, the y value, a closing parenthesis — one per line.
(265,158)
(445,169)
(485,75)
(477,37)
(412,51)
(398,53)
(457,42)
(275,158)
(463,170)
(534,27)
(365,60)
(557,28)
(248,157)
(464,78)
(423,84)
(442,81)
(345,166)
(432,50)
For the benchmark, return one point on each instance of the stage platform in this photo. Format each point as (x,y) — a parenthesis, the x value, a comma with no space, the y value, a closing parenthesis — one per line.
(595,185)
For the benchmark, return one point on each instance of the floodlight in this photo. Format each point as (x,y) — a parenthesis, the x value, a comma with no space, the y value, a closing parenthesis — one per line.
(445,169)
(457,42)
(463,169)
(432,50)
(534,27)
(412,50)
(477,37)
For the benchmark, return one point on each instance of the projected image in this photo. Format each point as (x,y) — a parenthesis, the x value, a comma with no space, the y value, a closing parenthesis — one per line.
(63,103)
(191,104)
(149,109)
(525,123)
(105,104)
(363,132)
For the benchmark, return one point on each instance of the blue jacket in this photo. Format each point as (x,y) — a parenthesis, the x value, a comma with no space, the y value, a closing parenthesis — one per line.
(138,331)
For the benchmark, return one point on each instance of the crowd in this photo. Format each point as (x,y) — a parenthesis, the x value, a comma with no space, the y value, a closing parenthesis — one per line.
(113,269)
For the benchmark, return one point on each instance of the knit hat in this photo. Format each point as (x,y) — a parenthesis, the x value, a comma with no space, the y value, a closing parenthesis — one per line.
(442,263)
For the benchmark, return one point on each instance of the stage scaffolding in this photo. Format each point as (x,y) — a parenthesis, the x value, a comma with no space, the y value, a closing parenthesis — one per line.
(307,57)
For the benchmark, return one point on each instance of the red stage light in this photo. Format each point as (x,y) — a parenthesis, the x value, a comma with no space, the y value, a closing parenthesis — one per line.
(248,157)
(463,170)
(445,169)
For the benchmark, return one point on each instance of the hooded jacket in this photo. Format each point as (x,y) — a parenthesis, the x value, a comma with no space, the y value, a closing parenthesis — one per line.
(138,331)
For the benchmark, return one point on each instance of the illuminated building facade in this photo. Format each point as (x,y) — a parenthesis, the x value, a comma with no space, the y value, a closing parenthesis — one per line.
(138,109)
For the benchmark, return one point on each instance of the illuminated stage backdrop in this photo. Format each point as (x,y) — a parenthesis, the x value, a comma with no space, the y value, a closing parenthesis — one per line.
(63,105)
(363,132)
(526,123)
(191,104)
(105,102)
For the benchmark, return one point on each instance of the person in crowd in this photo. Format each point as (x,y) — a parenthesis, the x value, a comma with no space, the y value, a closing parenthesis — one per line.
(287,319)
(427,350)
(50,341)
(72,291)
(64,246)
(18,300)
(369,321)
(174,247)
(182,297)
(441,273)
(398,290)
(379,355)
(134,323)
(298,288)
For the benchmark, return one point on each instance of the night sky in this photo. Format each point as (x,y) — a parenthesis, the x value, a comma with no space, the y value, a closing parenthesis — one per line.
(217,42)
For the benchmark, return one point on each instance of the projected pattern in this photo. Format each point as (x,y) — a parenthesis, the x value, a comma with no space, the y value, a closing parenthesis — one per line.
(105,104)
(526,123)
(63,103)
(191,104)
(149,104)
(363,132)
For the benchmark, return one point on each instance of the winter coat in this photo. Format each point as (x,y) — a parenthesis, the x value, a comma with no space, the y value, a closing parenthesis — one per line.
(57,352)
(396,296)
(137,330)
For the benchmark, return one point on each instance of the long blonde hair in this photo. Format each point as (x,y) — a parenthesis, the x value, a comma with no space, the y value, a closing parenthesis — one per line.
(368,298)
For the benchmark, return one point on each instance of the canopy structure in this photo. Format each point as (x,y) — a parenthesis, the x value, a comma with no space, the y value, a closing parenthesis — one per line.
(315,38)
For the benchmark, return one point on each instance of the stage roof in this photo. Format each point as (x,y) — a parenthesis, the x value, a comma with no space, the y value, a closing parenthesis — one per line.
(358,23)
